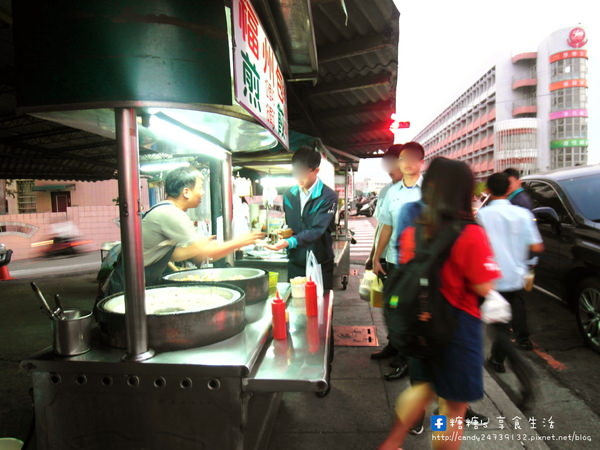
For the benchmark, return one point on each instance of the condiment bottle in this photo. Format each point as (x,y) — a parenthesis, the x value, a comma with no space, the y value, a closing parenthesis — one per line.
(278,311)
(310,295)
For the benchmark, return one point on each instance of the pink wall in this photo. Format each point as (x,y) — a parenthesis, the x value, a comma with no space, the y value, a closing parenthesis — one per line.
(95,223)
(93,212)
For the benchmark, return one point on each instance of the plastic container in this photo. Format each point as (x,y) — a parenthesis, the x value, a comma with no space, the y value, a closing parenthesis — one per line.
(298,284)
(273,279)
(529,280)
(310,290)
(279,322)
(377,293)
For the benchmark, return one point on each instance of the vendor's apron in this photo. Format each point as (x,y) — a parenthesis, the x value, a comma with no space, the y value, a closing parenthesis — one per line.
(153,273)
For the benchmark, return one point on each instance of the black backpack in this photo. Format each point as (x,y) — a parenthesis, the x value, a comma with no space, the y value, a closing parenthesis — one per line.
(420,320)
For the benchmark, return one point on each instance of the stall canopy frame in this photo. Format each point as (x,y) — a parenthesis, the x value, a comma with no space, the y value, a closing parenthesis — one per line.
(347,103)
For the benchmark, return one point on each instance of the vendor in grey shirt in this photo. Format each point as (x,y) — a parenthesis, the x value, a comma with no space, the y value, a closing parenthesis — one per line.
(168,234)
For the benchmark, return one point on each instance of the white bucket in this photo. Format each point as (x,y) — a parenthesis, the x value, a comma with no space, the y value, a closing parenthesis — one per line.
(10,444)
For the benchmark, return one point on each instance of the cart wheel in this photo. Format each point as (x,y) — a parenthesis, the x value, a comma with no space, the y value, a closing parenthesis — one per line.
(325,392)
(344,283)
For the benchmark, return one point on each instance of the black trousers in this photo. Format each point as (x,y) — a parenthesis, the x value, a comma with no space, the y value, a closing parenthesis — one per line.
(295,270)
(399,359)
(519,323)
(503,349)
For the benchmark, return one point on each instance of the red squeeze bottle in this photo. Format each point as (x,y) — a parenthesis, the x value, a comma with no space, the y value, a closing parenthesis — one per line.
(310,295)
(278,310)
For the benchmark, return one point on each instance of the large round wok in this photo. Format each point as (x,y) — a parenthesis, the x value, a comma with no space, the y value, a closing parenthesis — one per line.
(178,316)
(254,282)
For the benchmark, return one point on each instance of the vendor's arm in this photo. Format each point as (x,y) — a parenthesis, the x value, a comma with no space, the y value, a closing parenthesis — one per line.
(178,228)
(203,249)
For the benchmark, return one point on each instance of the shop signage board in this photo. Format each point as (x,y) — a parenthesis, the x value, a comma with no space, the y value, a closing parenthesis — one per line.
(259,83)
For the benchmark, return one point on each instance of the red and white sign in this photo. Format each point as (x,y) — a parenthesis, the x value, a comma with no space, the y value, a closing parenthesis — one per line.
(577,38)
(259,83)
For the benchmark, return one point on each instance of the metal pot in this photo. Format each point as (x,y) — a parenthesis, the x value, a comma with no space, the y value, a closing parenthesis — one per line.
(174,324)
(254,282)
(72,332)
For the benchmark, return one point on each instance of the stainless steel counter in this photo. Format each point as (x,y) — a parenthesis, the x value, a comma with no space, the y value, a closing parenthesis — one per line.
(225,395)
(302,361)
(236,355)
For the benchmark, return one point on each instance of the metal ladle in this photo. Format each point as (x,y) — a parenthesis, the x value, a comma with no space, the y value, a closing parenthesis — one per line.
(54,315)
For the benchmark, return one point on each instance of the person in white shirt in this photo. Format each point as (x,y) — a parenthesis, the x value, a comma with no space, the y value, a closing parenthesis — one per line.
(410,162)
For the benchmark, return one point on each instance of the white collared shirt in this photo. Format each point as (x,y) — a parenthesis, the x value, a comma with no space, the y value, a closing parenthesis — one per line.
(305,196)
(511,230)
(397,196)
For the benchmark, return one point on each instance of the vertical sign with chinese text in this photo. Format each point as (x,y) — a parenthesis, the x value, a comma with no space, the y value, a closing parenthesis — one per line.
(259,83)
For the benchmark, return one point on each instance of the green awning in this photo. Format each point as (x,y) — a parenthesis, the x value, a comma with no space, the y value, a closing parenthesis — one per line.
(54,187)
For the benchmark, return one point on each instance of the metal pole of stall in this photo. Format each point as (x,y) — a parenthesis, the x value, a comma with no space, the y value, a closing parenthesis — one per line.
(346,201)
(227,196)
(131,234)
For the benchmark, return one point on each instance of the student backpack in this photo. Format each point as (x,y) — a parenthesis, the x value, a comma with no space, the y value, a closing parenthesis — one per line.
(420,320)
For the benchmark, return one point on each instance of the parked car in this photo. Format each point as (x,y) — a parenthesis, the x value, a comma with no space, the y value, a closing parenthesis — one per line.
(567,208)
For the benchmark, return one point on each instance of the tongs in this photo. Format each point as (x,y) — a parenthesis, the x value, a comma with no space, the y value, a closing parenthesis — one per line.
(56,314)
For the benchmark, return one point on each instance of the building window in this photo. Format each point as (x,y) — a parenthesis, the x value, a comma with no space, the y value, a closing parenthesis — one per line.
(569,127)
(569,98)
(26,197)
(569,157)
(568,69)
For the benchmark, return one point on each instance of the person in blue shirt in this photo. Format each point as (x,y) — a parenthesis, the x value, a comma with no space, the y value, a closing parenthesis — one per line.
(410,163)
(309,210)
(513,234)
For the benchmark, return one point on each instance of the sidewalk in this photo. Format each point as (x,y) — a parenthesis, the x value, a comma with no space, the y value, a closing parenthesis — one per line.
(64,265)
(357,413)
(359,410)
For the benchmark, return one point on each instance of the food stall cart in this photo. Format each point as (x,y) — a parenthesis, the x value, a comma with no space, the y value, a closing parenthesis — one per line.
(180,394)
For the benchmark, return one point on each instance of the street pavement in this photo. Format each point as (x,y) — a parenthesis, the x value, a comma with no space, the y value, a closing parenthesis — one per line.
(48,267)
(364,231)
(359,409)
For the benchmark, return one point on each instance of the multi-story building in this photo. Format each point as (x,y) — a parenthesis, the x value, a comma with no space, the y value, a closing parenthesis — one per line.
(528,112)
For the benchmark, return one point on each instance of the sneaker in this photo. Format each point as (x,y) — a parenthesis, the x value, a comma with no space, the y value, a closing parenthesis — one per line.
(496,366)
(387,352)
(397,373)
(417,429)
(525,345)
(470,415)
(473,416)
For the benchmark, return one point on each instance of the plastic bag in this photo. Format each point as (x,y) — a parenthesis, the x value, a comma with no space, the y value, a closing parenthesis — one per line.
(313,271)
(377,293)
(495,309)
(364,291)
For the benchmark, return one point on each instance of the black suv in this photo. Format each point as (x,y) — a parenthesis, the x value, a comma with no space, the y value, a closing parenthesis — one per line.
(567,207)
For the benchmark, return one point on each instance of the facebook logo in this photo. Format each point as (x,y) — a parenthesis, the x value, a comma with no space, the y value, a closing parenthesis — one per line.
(438,423)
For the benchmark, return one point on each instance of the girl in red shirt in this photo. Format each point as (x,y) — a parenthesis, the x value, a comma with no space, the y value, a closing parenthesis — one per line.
(456,376)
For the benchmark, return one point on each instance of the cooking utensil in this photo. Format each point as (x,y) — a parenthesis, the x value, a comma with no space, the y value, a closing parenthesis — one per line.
(254,282)
(72,333)
(170,328)
(59,308)
(45,304)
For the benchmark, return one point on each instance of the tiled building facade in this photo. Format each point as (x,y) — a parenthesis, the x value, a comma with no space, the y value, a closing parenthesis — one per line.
(528,112)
